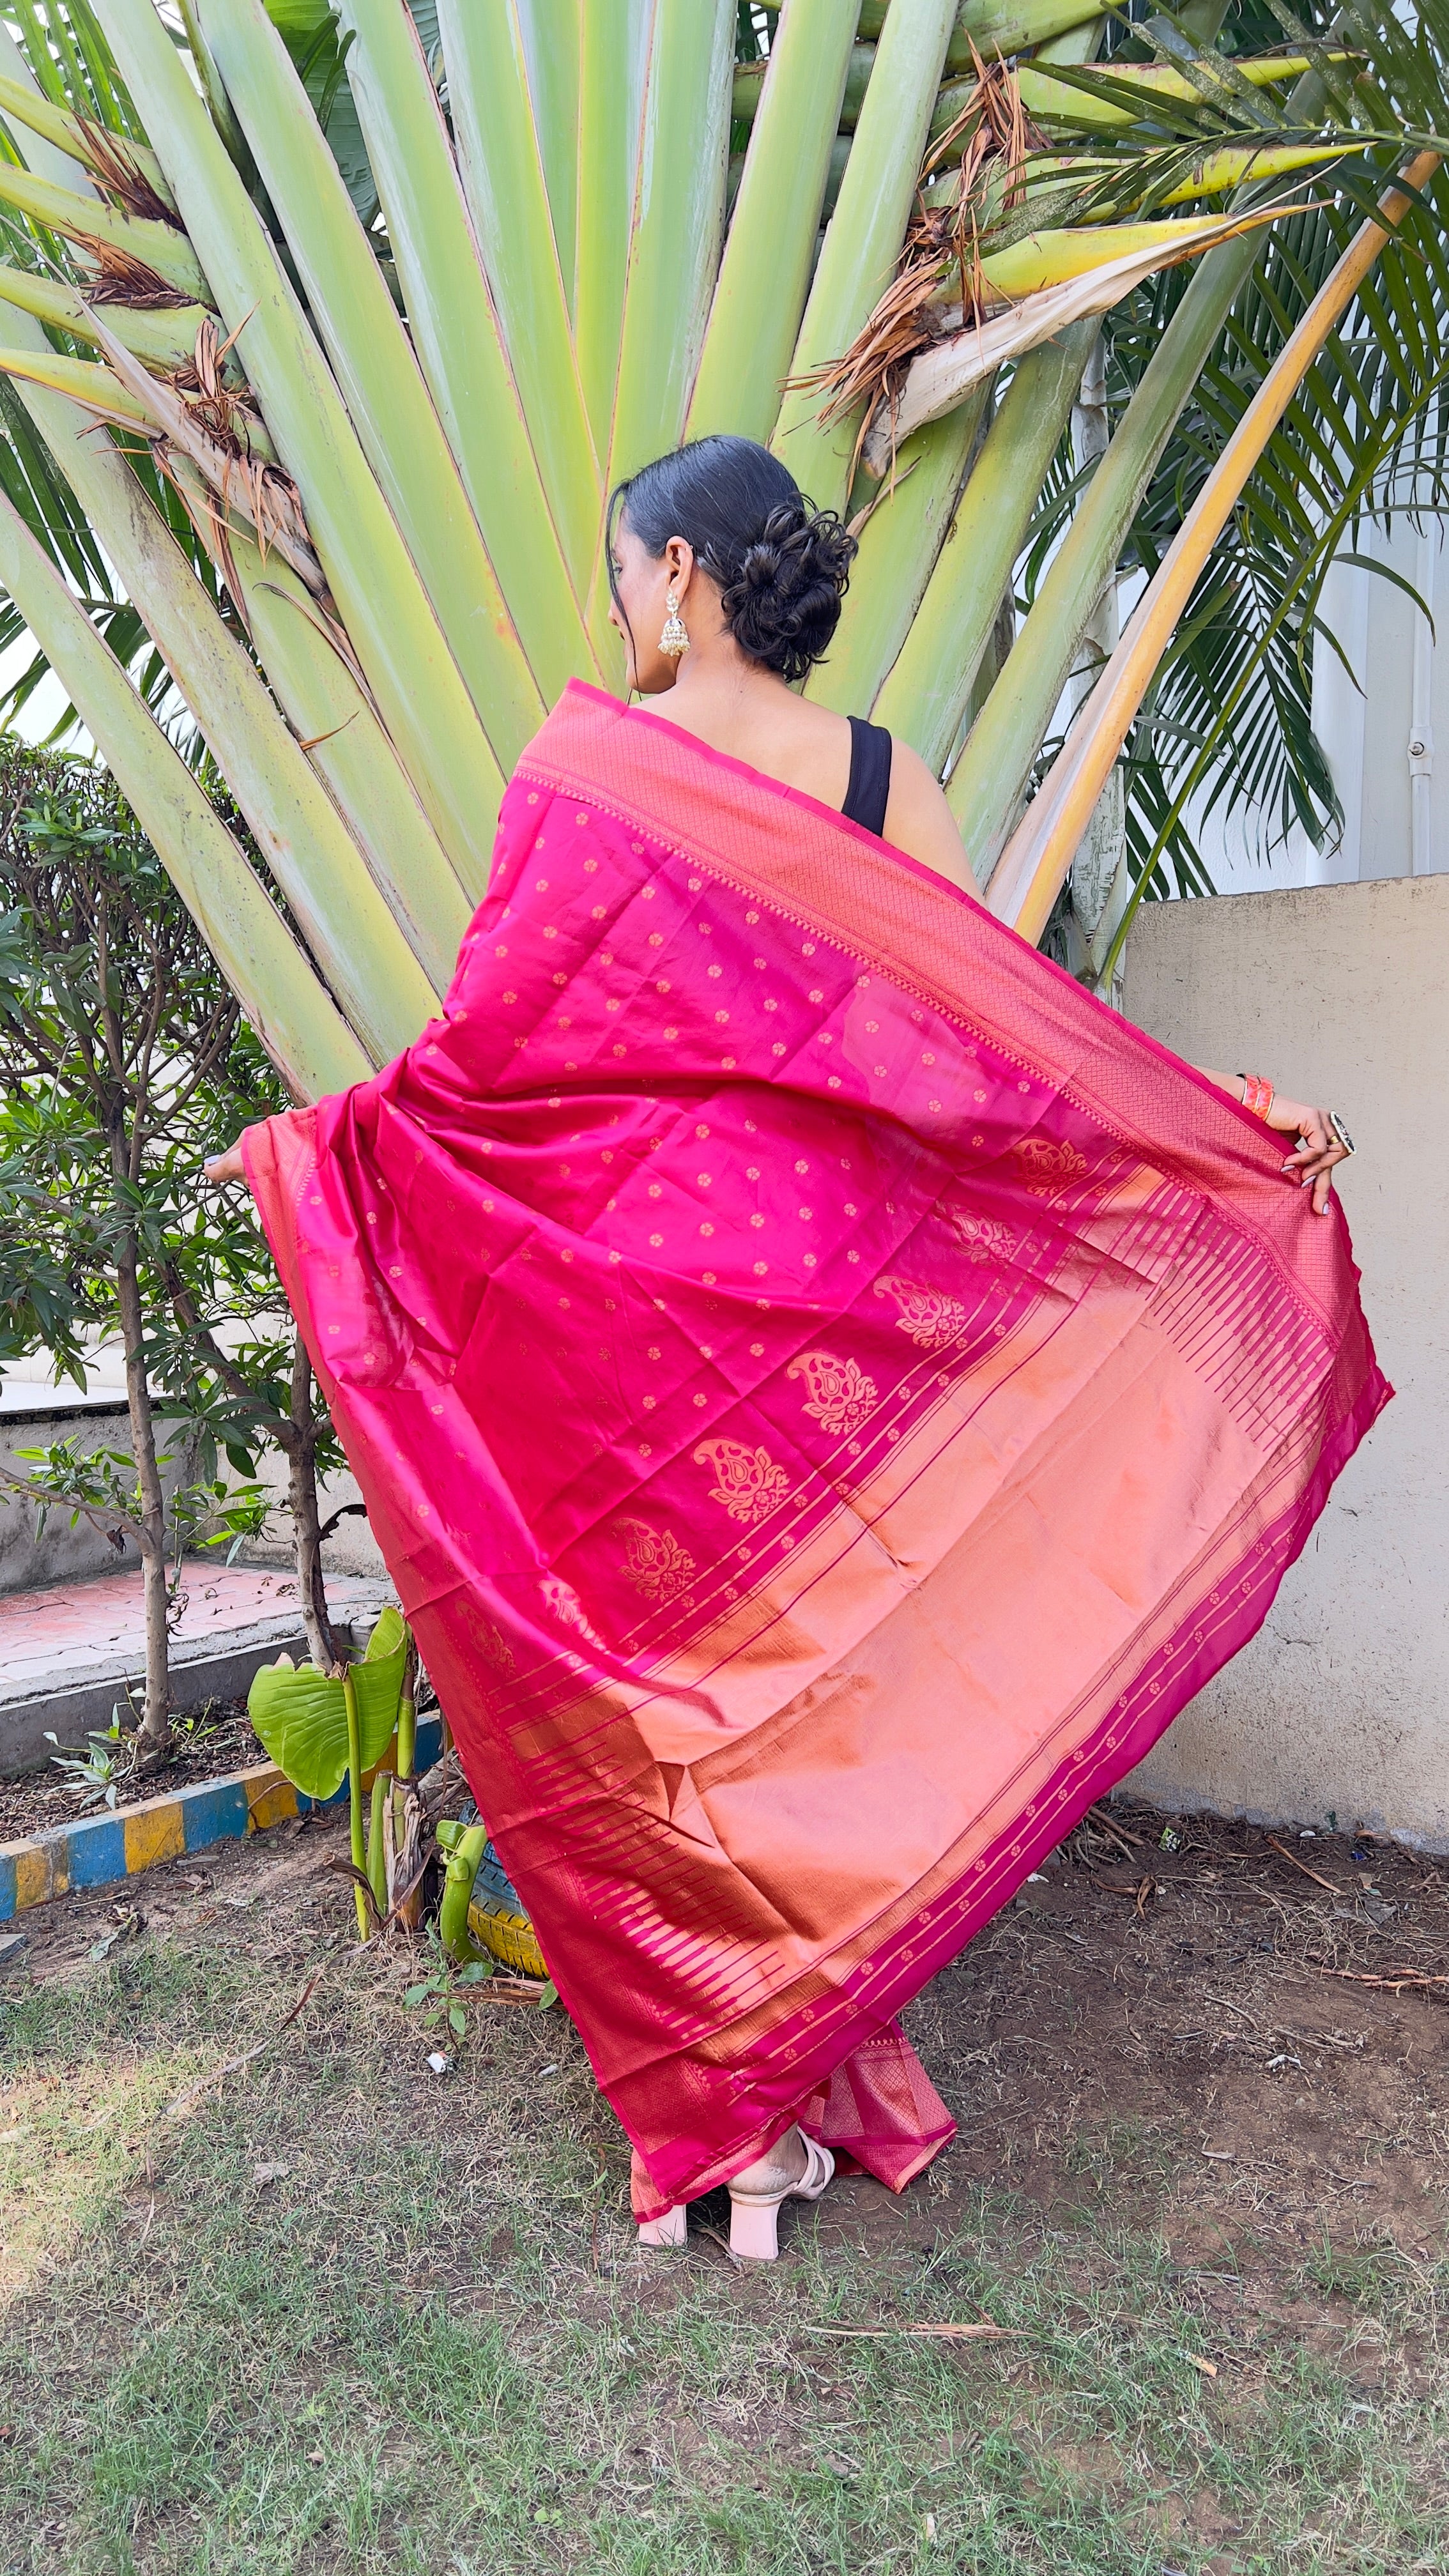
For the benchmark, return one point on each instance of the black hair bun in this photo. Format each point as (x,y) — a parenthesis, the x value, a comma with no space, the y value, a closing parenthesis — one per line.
(782,603)
(781,565)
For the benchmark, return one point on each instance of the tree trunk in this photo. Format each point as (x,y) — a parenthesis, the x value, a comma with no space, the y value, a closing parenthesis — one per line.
(154,1740)
(1099,883)
(306,1518)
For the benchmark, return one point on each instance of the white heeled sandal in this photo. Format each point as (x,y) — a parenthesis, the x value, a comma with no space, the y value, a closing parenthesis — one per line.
(755,2197)
(756,2194)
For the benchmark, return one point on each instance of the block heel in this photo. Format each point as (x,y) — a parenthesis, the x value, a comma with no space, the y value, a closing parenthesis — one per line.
(755,2198)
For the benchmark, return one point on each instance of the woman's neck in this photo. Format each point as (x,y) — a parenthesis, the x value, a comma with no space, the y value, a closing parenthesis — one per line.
(755,716)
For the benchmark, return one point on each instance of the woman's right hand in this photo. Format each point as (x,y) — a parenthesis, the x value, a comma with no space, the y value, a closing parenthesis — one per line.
(229,1166)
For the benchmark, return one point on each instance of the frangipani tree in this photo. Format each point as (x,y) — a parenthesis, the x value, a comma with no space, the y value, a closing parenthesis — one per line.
(326,331)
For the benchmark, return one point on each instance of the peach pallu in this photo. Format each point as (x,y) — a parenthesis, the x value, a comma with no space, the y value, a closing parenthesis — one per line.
(827,1390)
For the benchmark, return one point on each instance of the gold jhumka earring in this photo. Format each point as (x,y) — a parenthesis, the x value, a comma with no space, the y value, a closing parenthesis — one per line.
(675,638)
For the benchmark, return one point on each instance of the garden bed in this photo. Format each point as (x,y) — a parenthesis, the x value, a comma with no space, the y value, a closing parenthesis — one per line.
(206,1746)
(280,2299)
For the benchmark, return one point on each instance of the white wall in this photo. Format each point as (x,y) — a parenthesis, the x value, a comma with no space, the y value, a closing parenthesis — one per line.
(1389,692)
(37,1411)
(1338,993)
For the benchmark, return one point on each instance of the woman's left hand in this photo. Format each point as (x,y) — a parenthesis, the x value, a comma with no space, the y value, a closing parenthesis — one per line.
(1317,1151)
(225,1167)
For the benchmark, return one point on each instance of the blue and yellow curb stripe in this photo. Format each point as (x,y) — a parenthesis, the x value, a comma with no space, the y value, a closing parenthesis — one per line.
(93,1850)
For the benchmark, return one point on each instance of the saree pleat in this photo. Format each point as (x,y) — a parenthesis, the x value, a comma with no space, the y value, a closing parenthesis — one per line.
(828,1392)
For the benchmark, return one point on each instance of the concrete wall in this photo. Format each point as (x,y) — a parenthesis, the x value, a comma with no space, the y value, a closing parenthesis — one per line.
(352,1549)
(1340,994)
(36,1416)
(37,1410)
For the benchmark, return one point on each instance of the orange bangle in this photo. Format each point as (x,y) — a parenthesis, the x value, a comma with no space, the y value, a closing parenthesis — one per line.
(1257,1094)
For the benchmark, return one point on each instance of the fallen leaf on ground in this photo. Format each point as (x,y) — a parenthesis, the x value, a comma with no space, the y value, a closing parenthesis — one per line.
(947,2333)
(705,2229)
(263,2174)
(127,1926)
(1210,2368)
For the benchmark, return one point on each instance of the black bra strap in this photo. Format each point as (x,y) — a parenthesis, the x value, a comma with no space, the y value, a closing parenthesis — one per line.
(868,794)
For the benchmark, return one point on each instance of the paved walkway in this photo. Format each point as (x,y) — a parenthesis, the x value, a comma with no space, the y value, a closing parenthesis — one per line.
(67,1650)
(102,1619)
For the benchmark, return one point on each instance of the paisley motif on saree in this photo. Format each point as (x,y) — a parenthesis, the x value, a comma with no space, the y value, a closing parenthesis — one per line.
(828,1392)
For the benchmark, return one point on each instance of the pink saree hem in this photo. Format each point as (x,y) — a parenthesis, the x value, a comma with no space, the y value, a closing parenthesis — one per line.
(828,1392)
(877,2111)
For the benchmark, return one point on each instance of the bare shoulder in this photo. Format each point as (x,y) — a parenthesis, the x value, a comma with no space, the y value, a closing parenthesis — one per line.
(920,822)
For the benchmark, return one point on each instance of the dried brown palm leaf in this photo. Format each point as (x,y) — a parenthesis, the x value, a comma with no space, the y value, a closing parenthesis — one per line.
(954,362)
(112,165)
(984,154)
(121,278)
(216,402)
(227,442)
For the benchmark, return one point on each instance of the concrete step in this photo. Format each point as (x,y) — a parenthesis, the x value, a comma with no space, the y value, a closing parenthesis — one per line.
(70,1651)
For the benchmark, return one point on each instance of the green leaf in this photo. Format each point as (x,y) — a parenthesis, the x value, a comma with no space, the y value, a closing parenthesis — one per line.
(301,1717)
(457,2021)
(390,1633)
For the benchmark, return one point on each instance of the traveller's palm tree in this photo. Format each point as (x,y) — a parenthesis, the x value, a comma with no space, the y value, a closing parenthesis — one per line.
(328,330)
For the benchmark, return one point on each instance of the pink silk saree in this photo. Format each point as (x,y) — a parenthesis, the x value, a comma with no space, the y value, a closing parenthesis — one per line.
(828,1392)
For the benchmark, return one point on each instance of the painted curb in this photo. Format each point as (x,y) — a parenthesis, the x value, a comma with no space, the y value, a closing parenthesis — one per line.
(96,1849)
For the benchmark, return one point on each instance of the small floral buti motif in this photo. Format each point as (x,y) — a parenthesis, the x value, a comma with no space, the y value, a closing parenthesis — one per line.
(932,1320)
(982,1238)
(747,1481)
(655,1562)
(1045,1168)
(839,1394)
(566,1606)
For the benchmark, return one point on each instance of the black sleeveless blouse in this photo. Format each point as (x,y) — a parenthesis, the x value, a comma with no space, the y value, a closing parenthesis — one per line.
(870,776)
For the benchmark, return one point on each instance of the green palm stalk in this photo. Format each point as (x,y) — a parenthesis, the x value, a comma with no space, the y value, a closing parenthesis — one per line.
(677,229)
(929,685)
(863,239)
(319,379)
(609,113)
(367,346)
(796,108)
(299,1025)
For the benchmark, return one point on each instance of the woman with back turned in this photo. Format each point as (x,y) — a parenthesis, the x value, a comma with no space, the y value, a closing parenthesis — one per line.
(827,1390)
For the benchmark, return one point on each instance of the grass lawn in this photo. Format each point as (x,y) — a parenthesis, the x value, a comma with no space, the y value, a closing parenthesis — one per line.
(320,2309)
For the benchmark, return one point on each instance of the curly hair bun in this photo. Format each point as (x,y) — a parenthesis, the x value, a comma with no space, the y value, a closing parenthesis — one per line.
(781,566)
(783,604)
